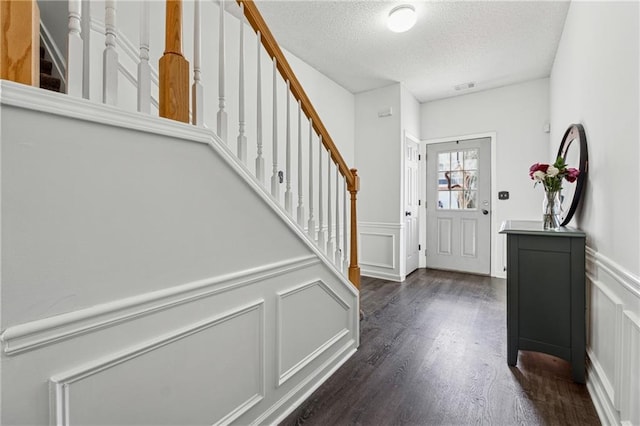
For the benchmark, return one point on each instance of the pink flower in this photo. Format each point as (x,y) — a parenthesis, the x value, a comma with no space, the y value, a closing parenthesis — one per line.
(538,176)
(538,168)
(572,174)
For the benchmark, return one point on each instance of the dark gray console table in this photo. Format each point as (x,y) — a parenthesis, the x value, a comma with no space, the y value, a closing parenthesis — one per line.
(546,293)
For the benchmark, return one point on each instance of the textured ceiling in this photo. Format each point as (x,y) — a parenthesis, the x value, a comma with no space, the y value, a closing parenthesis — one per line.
(491,43)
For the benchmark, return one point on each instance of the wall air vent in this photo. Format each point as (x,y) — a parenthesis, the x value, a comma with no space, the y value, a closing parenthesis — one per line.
(465,86)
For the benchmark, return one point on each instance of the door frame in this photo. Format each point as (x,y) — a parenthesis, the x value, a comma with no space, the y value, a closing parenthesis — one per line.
(403,243)
(495,264)
(402,248)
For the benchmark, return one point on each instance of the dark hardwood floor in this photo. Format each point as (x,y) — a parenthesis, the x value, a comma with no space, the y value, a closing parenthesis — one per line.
(433,352)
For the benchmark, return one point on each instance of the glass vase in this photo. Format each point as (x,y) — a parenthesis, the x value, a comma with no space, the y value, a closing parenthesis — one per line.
(551,210)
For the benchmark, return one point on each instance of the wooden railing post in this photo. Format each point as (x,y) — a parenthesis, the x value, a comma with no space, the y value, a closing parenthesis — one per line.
(20,41)
(354,268)
(174,68)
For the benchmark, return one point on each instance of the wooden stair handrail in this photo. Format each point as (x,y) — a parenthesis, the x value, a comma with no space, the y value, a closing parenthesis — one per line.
(273,49)
(270,44)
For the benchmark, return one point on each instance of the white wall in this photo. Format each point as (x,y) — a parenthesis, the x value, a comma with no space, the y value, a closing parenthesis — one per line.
(146,278)
(595,82)
(335,105)
(378,154)
(517,114)
(378,160)
(410,113)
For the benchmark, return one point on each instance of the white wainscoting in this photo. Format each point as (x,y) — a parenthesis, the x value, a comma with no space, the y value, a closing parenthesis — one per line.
(613,340)
(159,373)
(630,399)
(382,253)
(245,348)
(311,318)
(34,334)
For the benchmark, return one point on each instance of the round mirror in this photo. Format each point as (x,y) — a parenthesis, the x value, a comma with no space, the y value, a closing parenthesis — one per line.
(574,151)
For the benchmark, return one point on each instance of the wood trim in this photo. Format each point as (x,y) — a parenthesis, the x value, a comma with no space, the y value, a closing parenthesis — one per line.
(354,268)
(174,68)
(173,28)
(270,44)
(20,41)
(273,49)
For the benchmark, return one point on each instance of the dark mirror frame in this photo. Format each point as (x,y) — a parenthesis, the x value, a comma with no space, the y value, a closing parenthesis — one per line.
(573,133)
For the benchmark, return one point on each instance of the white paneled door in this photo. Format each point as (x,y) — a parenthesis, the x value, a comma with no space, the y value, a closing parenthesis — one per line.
(458,206)
(411,219)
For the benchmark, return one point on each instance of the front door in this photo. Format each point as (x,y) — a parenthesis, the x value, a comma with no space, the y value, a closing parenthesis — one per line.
(459,206)
(411,219)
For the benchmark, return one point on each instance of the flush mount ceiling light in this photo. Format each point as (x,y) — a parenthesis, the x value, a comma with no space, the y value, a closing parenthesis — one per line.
(401,18)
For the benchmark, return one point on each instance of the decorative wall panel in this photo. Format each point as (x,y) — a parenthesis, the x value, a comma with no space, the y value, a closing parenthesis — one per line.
(219,361)
(311,318)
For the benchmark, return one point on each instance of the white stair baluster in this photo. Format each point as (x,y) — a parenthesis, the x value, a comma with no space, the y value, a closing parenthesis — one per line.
(242,138)
(222,114)
(338,259)
(274,176)
(311,224)
(287,193)
(144,69)
(110,57)
(345,233)
(85,24)
(197,91)
(259,157)
(329,212)
(321,241)
(300,209)
(75,60)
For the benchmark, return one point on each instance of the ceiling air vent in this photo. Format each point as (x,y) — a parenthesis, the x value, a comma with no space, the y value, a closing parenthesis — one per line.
(465,86)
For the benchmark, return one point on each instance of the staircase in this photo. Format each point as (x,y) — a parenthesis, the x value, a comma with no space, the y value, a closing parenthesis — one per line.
(47,81)
(163,272)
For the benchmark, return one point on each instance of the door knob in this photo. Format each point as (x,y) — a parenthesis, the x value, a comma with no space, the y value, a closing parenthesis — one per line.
(485,212)
(407,213)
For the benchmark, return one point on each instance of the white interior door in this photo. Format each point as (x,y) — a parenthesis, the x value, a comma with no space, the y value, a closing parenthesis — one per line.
(411,219)
(459,206)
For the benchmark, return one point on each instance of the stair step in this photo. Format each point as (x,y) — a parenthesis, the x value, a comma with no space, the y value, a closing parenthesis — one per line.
(49,83)
(46,66)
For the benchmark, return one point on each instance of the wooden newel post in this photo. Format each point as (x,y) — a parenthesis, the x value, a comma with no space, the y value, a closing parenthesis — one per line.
(354,268)
(20,41)
(174,68)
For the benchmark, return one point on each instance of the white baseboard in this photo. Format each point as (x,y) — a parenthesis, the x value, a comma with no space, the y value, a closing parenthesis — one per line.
(606,412)
(381,275)
(298,395)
